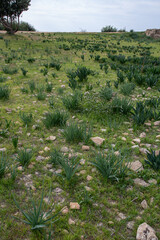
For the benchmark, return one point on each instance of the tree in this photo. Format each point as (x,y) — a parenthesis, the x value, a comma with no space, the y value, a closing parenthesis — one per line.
(10,11)
(109,29)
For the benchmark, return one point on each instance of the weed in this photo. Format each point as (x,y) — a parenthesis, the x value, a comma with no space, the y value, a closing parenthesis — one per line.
(15,142)
(3,165)
(127,88)
(73,102)
(24,72)
(26,118)
(121,105)
(153,160)
(24,157)
(4,92)
(56,118)
(32,85)
(106,93)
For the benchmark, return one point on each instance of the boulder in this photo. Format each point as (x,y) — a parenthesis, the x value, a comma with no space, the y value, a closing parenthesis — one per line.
(145,232)
(153,33)
(97,140)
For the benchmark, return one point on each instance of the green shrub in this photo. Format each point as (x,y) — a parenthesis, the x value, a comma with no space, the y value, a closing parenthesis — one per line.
(82,73)
(127,88)
(3,165)
(75,133)
(26,118)
(73,102)
(121,105)
(55,157)
(120,76)
(153,160)
(15,142)
(32,85)
(41,95)
(9,70)
(4,92)
(110,166)
(36,217)
(2,79)
(24,71)
(140,113)
(49,87)
(109,29)
(56,118)
(106,93)
(24,157)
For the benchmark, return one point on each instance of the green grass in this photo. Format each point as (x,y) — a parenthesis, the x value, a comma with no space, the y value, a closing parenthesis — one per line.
(49,98)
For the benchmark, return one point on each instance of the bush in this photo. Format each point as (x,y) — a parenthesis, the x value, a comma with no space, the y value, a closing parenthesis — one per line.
(127,88)
(75,133)
(121,105)
(24,157)
(56,118)
(4,92)
(106,93)
(153,160)
(73,102)
(23,26)
(82,73)
(140,113)
(109,29)
(110,166)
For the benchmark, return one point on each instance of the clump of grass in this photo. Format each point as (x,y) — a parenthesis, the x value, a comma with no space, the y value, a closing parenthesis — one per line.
(153,160)
(15,142)
(4,92)
(75,133)
(56,118)
(73,102)
(106,93)
(121,105)
(51,102)
(24,90)
(41,95)
(32,85)
(55,157)
(127,88)
(36,217)
(24,71)
(2,79)
(3,165)
(111,167)
(140,113)
(69,166)
(26,118)
(9,70)
(24,157)
(49,87)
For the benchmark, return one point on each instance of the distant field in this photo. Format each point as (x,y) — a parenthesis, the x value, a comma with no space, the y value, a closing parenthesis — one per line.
(57,92)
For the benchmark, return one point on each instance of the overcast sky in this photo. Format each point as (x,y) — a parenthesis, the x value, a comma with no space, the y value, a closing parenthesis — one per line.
(92,15)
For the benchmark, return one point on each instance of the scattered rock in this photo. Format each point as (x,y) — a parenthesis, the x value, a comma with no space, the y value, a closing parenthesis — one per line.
(149,88)
(142,135)
(110,223)
(98,141)
(85,148)
(103,130)
(40,158)
(64,149)
(140,182)
(71,222)
(74,205)
(152,181)
(158,136)
(2,149)
(148,124)
(89,178)
(144,204)
(117,153)
(82,161)
(51,138)
(46,149)
(157,123)
(137,140)
(143,150)
(145,232)
(123,138)
(20,168)
(135,146)
(121,216)
(65,210)
(82,172)
(58,190)
(88,189)
(130,225)
(135,166)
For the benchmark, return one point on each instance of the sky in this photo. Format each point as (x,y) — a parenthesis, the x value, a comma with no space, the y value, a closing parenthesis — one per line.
(92,15)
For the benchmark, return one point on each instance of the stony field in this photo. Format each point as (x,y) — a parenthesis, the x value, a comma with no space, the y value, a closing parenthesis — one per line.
(79,136)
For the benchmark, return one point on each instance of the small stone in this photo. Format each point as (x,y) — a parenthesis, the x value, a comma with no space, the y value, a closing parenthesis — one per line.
(143,150)
(51,138)
(110,223)
(135,146)
(58,171)
(148,124)
(58,190)
(149,88)
(123,138)
(130,225)
(140,182)
(88,189)
(135,166)
(82,172)
(137,140)
(2,149)
(152,181)
(85,148)
(28,134)
(20,168)
(117,153)
(74,205)
(144,204)
(125,134)
(103,130)
(71,222)
(157,152)
(151,200)
(40,158)
(157,123)
(64,149)
(62,86)
(142,135)
(98,141)
(82,161)
(158,136)
(145,232)
(65,210)
(89,178)
(46,149)
(121,216)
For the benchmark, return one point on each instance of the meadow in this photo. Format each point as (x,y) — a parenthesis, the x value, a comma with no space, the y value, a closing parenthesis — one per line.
(79,135)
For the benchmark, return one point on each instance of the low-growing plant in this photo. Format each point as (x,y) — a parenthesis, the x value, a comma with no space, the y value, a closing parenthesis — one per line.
(69,166)
(24,157)
(106,93)
(56,118)
(127,88)
(2,79)
(26,118)
(32,85)
(15,142)
(51,102)
(55,157)
(24,71)
(140,113)
(121,105)
(24,90)
(153,160)
(41,95)
(111,166)
(82,73)
(3,165)
(73,102)
(4,92)
(37,217)
(120,77)
(76,133)
(9,70)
